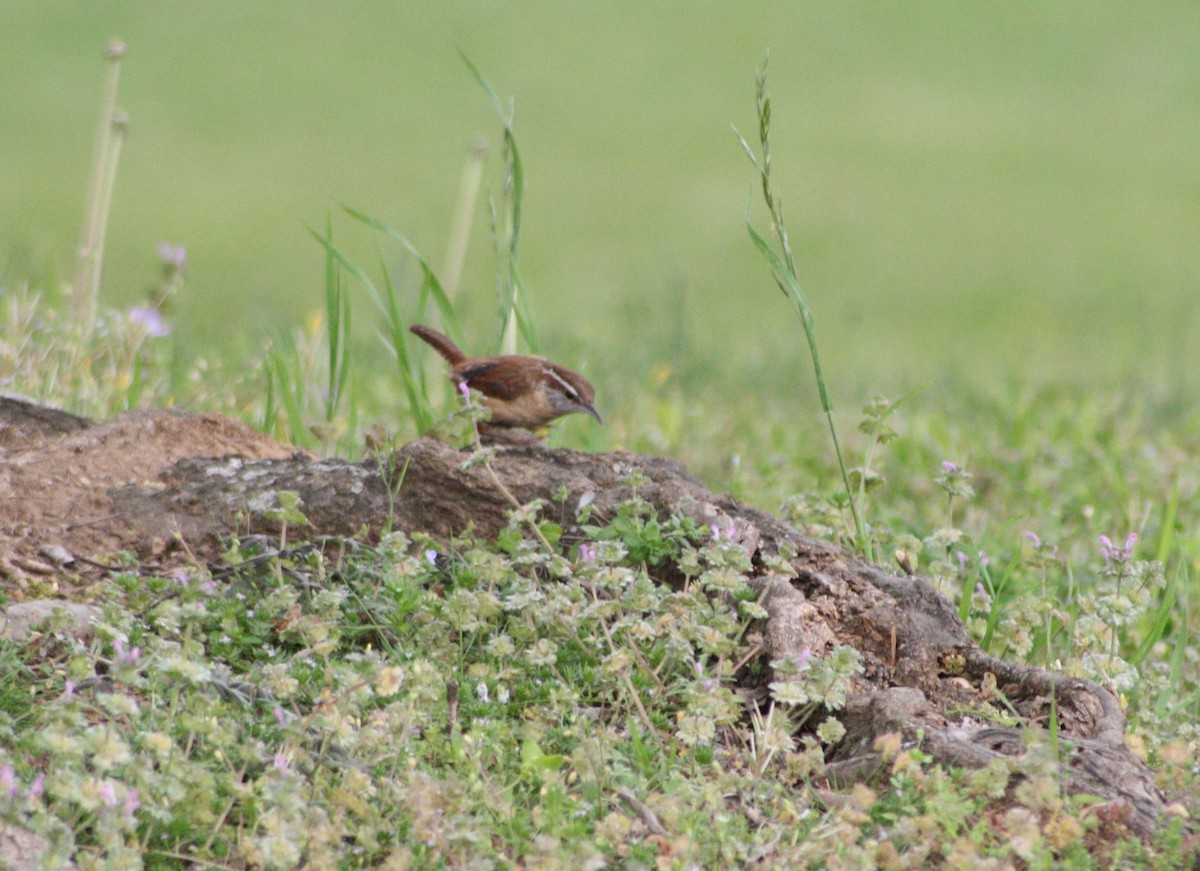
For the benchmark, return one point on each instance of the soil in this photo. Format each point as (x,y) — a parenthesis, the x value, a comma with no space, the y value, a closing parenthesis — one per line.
(57,473)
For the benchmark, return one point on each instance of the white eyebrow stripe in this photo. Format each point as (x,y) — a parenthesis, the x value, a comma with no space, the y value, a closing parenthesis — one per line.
(567,388)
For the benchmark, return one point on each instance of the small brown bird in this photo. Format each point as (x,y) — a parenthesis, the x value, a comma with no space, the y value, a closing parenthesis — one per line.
(522,392)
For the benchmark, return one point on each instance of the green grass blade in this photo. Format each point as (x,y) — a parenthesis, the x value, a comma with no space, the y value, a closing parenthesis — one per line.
(791,289)
(522,310)
(270,415)
(503,112)
(337,315)
(513,306)
(516,172)
(1162,618)
(290,388)
(429,279)
(396,340)
(784,271)
(1166,537)
(1176,681)
(350,266)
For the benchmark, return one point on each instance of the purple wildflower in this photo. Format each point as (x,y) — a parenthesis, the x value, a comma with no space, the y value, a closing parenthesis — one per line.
(1111,553)
(151,320)
(709,683)
(123,656)
(173,256)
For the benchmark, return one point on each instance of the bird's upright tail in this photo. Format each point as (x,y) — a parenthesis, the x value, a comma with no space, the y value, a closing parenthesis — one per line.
(440,343)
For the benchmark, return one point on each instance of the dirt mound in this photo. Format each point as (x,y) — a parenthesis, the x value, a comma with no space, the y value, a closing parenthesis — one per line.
(57,471)
(70,489)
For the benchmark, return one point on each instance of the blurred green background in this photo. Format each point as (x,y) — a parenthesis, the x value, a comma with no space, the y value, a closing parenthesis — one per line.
(985,192)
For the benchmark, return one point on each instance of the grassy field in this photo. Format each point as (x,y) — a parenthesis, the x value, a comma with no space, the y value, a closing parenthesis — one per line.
(975,191)
(993,209)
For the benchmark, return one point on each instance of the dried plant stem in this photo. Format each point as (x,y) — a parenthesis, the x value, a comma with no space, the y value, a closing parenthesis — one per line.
(100,188)
(460,232)
(486,462)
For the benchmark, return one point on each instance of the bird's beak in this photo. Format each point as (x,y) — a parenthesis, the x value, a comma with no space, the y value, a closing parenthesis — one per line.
(592,411)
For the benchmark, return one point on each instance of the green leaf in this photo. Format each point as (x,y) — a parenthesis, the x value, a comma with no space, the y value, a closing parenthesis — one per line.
(534,761)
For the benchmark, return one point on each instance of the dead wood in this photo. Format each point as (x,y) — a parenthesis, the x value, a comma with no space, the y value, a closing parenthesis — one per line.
(923,676)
